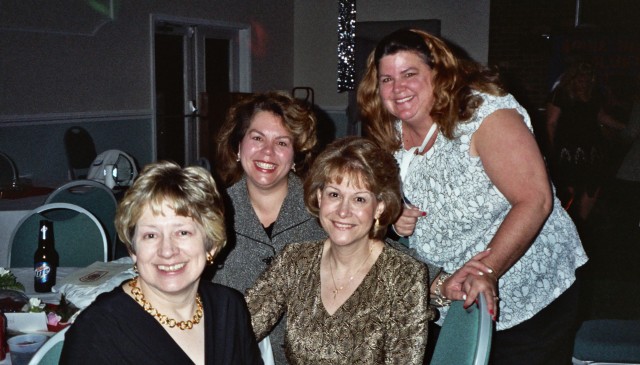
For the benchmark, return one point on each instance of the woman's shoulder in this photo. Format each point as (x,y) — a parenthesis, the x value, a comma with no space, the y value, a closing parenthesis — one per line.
(106,305)
(402,260)
(238,188)
(490,104)
(218,292)
(299,250)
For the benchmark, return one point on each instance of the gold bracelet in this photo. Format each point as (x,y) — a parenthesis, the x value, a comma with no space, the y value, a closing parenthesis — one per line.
(438,299)
(493,271)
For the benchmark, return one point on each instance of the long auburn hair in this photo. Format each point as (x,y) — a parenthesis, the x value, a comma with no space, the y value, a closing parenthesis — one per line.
(454,80)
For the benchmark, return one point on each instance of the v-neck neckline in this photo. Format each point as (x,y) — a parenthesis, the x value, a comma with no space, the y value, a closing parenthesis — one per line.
(364,282)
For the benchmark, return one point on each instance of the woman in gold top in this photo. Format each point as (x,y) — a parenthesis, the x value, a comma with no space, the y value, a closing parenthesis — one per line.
(350,299)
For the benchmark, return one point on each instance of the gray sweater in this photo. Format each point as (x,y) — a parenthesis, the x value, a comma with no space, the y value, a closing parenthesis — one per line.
(249,250)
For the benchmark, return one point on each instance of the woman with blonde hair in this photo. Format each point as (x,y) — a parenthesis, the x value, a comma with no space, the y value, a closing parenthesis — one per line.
(171,221)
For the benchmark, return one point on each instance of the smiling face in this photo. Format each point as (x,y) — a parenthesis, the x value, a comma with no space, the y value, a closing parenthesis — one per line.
(266,151)
(347,212)
(170,252)
(406,88)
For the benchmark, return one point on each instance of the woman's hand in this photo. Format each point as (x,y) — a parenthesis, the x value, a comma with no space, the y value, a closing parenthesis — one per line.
(405,225)
(471,280)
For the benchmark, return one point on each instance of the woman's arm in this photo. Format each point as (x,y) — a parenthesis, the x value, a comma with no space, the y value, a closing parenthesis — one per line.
(553,114)
(606,120)
(512,161)
(266,300)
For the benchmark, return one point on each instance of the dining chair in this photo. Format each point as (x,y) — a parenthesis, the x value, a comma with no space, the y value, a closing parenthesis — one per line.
(95,197)
(80,150)
(465,337)
(8,172)
(607,342)
(80,238)
(49,353)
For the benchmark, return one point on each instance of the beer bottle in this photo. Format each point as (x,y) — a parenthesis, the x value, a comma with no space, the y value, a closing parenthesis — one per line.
(3,337)
(45,260)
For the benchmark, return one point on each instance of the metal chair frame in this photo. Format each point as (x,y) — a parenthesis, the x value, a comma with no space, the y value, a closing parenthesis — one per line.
(58,206)
(458,318)
(57,196)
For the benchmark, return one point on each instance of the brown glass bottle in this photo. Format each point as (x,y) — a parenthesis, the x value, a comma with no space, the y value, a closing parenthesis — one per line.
(3,336)
(45,259)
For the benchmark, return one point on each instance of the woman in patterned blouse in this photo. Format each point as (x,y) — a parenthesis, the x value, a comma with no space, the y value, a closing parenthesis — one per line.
(469,160)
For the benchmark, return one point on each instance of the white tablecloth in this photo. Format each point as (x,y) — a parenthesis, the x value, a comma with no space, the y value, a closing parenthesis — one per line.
(25,276)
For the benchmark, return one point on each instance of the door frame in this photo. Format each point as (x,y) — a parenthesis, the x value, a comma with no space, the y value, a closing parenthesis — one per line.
(239,35)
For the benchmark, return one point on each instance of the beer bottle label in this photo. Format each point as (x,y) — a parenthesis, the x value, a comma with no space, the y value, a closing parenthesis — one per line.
(42,272)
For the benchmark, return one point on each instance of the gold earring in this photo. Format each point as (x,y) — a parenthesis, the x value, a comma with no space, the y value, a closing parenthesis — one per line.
(377,223)
(135,268)
(209,258)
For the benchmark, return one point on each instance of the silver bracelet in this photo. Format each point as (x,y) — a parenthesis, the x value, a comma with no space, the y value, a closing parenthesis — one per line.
(438,299)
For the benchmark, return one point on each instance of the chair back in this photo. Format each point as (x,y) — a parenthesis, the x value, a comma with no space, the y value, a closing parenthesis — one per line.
(607,342)
(80,238)
(8,173)
(49,353)
(80,150)
(465,337)
(95,197)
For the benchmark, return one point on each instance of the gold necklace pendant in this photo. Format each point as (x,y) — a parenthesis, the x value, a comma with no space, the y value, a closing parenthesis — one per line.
(163,319)
(335,287)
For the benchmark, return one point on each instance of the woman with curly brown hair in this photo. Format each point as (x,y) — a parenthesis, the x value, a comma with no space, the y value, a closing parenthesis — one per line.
(266,141)
(469,159)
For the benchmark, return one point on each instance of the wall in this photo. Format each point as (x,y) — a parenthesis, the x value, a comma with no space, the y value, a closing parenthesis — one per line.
(52,79)
(74,73)
(464,22)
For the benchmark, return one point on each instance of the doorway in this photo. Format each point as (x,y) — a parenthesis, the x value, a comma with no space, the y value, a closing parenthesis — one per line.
(193,62)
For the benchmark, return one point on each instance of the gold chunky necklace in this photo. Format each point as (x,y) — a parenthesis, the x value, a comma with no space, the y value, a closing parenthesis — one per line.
(335,287)
(163,319)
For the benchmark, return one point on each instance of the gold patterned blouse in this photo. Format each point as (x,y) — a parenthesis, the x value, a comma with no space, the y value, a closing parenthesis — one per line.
(383,322)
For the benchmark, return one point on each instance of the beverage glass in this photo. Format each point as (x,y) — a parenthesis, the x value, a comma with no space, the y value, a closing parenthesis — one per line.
(23,347)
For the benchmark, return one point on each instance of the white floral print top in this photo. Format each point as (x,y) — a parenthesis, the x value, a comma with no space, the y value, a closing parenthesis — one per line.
(464,210)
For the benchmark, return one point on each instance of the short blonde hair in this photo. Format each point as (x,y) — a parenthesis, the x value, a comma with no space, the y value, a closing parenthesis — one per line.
(191,191)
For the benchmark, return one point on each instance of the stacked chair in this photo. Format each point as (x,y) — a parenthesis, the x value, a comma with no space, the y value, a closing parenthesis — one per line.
(79,236)
(49,353)
(95,197)
(607,342)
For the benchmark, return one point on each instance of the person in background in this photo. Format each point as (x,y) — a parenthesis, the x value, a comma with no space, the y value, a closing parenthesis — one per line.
(172,222)
(579,157)
(267,139)
(470,161)
(350,298)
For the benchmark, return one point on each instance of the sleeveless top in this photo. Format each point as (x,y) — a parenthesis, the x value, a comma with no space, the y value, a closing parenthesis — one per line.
(465,209)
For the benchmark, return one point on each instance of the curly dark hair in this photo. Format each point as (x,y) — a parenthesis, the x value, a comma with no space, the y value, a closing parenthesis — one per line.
(296,118)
